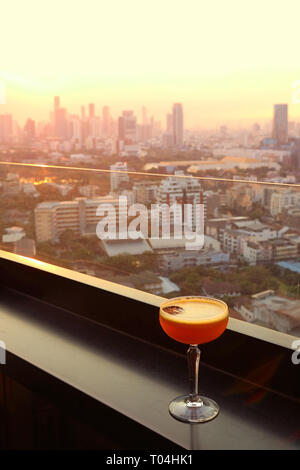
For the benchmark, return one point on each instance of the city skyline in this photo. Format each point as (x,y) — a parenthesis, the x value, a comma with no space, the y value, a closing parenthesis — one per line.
(220,65)
(125,134)
(43,115)
(142,115)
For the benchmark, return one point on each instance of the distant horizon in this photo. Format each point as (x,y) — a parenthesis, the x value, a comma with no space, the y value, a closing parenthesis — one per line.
(44,116)
(228,62)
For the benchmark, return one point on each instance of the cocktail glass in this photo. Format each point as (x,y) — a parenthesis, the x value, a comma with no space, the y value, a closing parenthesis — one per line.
(193,320)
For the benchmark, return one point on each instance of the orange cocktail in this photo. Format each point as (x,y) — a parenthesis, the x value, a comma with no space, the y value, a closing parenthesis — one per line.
(193,320)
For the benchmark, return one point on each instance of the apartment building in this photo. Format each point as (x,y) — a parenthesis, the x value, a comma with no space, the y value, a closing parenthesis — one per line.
(145,192)
(215,227)
(79,215)
(269,251)
(255,253)
(283,249)
(283,200)
(236,233)
(173,260)
(182,192)
(118,175)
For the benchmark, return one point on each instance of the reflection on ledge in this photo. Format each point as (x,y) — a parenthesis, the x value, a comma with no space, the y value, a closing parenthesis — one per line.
(64,378)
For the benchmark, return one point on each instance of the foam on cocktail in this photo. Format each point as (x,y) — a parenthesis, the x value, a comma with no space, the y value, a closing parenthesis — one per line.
(194,311)
(193,320)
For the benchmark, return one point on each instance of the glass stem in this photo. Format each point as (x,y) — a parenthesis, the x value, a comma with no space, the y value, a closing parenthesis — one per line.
(193,357)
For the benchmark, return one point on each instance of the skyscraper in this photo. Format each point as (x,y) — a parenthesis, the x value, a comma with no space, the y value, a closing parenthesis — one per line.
(144,115)
(92,126)
(60,119)
(29,130)
(75,128)
(105,121)
(127,127)
(6,127)
(280,123)
(61,125)
(169,123)
(91,110)
(177,117)
(56,102)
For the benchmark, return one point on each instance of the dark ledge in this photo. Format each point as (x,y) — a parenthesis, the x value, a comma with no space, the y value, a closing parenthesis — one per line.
(100,355)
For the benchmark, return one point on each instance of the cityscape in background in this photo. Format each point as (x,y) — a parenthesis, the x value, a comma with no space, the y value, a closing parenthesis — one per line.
(247,180)
(125,135)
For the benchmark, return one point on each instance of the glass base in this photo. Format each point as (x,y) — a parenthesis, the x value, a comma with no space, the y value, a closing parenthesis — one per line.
(200,411)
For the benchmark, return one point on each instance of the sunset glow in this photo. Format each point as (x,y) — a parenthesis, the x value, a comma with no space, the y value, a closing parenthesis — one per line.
(227,62)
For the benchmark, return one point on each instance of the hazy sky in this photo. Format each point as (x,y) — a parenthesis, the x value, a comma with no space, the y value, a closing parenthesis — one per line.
(227,61)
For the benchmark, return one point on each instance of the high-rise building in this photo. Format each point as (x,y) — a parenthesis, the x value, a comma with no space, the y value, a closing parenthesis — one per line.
(95,126)
(75,128)
(280,123)
(156,128)
(56,102)
(29,130)
(6,127)
(144,132)
(181,191)
(144,115)
(169,123)
(60,120)
(61,126)
(127,127)
(295,156)
(106,128)
(177,118)
(91,110)
(167,138)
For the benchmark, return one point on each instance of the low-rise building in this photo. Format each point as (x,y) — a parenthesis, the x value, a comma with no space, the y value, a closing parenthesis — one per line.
(215,226)
(255,252)
(231,162)
(11,185)
(174,260)
(89,190)
(219,289)
(283,200)
(283,249)
(30,189)
(128,246)
(13,234)
(25,247)
(271,310)
(241,230)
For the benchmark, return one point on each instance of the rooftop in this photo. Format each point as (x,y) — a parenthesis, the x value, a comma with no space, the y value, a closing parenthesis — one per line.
(118,247)
(279,304)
